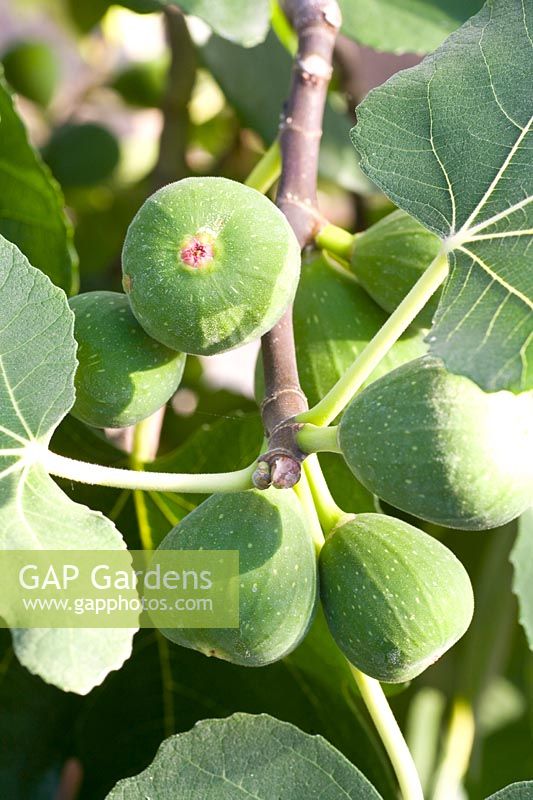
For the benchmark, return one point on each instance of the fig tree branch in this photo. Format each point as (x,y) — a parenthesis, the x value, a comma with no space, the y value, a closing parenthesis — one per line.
(316,23)
(171,164)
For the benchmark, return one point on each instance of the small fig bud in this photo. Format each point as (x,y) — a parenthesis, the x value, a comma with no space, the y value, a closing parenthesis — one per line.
(261,478)
(286,472)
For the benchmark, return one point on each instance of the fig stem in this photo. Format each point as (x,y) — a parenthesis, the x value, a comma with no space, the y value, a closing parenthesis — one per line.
(283,28)
(305,496)
(317,439)
(390,734)
(146,436)
(201,483)
(457,749)
(327,509)
(338,397)
(267,170)
(336,241)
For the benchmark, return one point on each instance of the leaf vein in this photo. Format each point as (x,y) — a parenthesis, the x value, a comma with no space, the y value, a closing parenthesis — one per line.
(494,275)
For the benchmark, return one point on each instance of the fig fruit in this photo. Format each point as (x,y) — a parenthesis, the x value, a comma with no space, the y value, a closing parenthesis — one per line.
(82,154)
(32,70)
(278,573)
(345,489)
(334,319)
(143,84)
(123,376)
(389,258)
(142,6)
(209,264)
(437,446)
(394,597)
(86,15)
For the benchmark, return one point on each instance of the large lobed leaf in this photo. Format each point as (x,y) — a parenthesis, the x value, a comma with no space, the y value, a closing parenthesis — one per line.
(404,26)
(165,689)
(516,791)
(243,21)
(247,756)
(31,205)
(37,365)
(450,142)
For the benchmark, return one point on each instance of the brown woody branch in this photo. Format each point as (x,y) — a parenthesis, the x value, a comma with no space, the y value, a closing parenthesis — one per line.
(171,164)
(316,23)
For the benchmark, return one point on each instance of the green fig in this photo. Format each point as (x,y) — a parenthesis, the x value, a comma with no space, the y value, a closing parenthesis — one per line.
(394,597)
(390,256)
(278,573)
(32,70)
(437,446)
(142,84)
(123,375)
(85,15)
(142,6)
(334,319)
(82,154)
(209,264)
